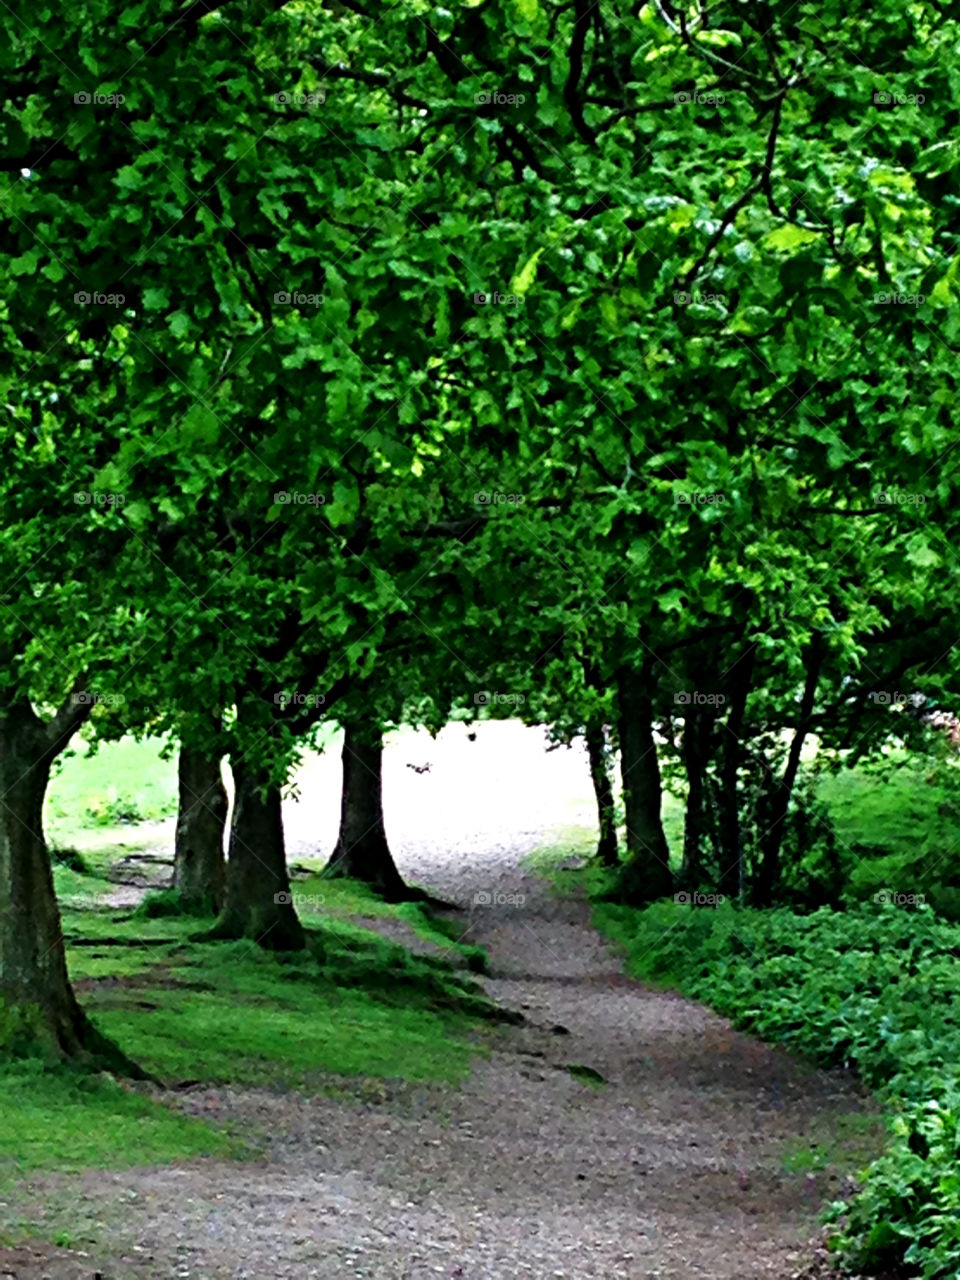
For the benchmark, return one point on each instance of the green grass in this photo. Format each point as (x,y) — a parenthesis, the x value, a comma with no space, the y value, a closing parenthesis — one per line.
(322,903)
(123,781)
(65,1120)
(352,1005)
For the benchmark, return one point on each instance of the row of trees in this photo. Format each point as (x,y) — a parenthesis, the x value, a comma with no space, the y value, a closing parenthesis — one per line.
(357,363)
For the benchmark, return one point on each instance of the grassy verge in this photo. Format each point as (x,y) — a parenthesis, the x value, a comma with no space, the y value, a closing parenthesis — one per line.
(351,1005)
(122,782)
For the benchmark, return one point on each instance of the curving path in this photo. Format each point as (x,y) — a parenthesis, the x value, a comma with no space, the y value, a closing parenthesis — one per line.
(673,1168)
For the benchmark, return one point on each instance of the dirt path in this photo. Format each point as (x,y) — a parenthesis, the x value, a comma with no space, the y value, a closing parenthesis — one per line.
(673,1168)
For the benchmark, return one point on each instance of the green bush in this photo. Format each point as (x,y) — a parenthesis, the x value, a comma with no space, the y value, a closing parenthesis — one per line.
(876,989)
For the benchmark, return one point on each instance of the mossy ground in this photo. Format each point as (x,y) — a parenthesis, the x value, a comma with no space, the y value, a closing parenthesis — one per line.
(352,1004)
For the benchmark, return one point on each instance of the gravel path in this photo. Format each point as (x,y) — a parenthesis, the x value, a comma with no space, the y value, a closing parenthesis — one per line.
(673,1167)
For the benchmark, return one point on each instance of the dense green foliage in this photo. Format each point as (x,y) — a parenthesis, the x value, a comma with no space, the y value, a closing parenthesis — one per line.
(594,362)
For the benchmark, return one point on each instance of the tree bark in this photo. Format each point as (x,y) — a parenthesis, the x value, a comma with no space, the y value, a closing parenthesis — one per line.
(362,851)
(772,839)
(697,728)
(39,1013)
(731,866)
(257,899)
(646,874)
(198,865)
(597,750)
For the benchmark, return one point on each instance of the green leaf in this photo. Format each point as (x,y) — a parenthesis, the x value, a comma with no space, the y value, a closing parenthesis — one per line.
(523,281)
(789,237)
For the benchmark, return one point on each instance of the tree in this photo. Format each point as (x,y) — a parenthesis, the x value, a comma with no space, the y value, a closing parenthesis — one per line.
(362,851)
(198,867)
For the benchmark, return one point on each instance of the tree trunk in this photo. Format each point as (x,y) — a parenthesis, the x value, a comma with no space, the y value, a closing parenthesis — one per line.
(731,866)
(39,1013)
(257,899)
(597,749)
(772,839)
(362,851)
(198,867)
(646,875)
(697,728)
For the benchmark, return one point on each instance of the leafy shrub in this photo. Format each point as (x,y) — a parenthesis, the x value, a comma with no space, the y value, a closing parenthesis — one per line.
(876,989)
(924,870)
(816,866)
